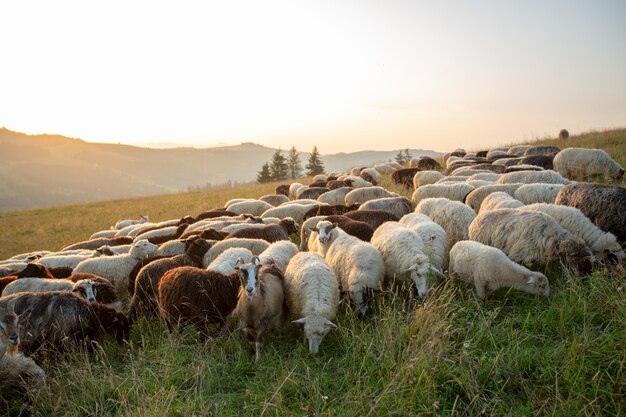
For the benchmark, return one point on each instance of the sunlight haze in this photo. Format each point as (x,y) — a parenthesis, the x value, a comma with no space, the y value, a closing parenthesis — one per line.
(342,75)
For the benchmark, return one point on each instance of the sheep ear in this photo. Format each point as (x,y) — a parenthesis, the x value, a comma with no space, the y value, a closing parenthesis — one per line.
(300,321)
(330,324)
(256,261)
(411,268)
(531,280)
(238,263)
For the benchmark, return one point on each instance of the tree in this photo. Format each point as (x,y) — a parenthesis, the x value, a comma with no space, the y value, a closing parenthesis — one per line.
(293,162)
(315,165)
(407,155)
(403,157)
(400,158)
(278,166)
(264,175)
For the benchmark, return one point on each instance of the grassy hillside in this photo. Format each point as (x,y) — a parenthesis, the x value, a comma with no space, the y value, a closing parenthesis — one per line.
(449,355)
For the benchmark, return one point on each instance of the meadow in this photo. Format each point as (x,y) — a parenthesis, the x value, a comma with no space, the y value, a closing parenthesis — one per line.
(450,354)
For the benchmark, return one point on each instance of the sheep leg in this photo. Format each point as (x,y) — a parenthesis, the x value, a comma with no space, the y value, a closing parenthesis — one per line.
(480,289)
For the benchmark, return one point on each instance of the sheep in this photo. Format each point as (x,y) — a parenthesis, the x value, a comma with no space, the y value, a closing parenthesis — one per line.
(531,177)
(295,211)
(486,176)
(372,217)
(357,182)
(452,179)
(63,260)
(454,191)
(145,293)
(398,206)
(93,244)
(542,150)
(403,253)
(312,296)
(320,177)
(104,233)
(305,231)
(604,205)
(117,268)
(333,185)
(162,235)
(84,288)
(426,177)
(479,183)
(434,238)
(584,164)
(103,290)
(260,304)
(454,216)
(237,200)
(543,161)
(563,134)
(489,269)
(34,270)
(198,297)
(330,210)
(335,197)
(352,227)
(507,162)
(254,207)
(475,198)
(302,201)
(530,236)
(537,193)
(603,244)
(404,176)
(498,200)
(220,222)
(178,246)
(282,189)
(274,199)
(256,246)
(239,226)
(372,173)
(383,169)
(210,233)
(58,317)
(293,189)
(210,214)
(358,265)
(427,163)
(279,254)
(361,195)
(519,150)
(271,232)
(124,223)
(518,168)
(312,192)
(227,260)
(496,154)
(9,334)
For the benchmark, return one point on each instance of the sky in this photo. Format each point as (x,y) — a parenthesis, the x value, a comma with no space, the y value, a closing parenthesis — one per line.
(341,75)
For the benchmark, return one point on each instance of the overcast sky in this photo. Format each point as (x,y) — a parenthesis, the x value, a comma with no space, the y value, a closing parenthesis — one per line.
(342,75)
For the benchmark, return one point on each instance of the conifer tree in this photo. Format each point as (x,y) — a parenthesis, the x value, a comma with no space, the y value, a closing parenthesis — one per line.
(315,165)
(264,175)
(278,166)
(294,164)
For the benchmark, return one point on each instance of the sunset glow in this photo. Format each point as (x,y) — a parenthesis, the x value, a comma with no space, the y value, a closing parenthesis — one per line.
(344,75)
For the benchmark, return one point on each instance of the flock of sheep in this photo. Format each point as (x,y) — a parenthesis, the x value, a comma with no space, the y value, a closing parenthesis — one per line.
(484,218)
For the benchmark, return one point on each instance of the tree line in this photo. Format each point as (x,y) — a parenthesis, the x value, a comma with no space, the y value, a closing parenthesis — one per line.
(282,167)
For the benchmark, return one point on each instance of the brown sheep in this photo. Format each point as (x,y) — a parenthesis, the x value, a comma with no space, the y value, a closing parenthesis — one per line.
(58,317)
(563,134)
(270,233)
(33,270)
(404,176)
(543,161)
(157,240)
(94,244)
(313,192)
(482,154)
(4,281)
(356,228)
(330,210)
(198,297)
(210,234)
(372,217)
(318,184)
(215,213)
(145,293)
(282,189)
(333,185)
(427,163)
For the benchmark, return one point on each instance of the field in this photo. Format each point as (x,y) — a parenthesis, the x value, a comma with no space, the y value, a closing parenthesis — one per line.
(451,354)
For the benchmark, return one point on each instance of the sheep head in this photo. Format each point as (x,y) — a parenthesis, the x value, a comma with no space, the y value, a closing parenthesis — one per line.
(324,230)
(419,275)
(249,275)
(537,283)
(143,248)
(84,288)
(315,328)
(9,330)
(577,256)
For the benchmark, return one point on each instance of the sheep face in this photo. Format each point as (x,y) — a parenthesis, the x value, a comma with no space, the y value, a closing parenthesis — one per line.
(9,332)
(419,276)
(618,175)
(144,247)
(538,284)
(249,273)
(84,288)
(577,256)
(315,328)
(324,230)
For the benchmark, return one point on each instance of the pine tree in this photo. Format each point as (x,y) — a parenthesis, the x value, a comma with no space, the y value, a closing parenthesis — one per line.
(293,161)
(278,166)
(315,165)
(407,156)
(400,158)
(264,175)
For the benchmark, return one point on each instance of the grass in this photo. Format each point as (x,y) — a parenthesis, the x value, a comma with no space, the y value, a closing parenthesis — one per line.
(449,355)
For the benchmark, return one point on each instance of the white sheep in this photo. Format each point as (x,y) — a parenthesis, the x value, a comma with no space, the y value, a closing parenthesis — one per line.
(426,177)
(499,200)
(238,226)
(601,243)
(84,287)
(103,233)
(584,164)
(117,268)
(454,216)
(279,253)
(312,295)
(404,255)
(293,189)
(489,268)
(254,207)
(476,197)
(68,259)
(507,162)
(433,236)
(320,178)
(305,232)
(302,201)
(479,183)
(335,197)
(358,182)
(531,177)
(384,169)
(399,206)
(468,171)
(453,191)
(229,259)
(274,199)
(361,195)
(256,246)
(358,265)
(295,211)
(376,176)
(163,231)
(530,236)
(537,193)
(486,176)
(237,200)
(123,223)
(519,150)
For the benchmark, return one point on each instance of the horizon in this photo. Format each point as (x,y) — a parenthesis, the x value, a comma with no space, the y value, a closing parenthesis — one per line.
(343,76)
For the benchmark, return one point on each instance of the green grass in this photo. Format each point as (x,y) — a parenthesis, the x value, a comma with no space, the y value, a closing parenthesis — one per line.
(452,354)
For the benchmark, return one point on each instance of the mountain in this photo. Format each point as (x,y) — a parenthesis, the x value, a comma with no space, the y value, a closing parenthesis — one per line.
(48,170)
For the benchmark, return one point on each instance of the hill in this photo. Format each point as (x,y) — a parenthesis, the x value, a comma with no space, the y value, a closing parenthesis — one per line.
(50,170)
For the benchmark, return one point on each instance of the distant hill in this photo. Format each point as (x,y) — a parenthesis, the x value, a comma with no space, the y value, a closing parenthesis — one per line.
(49,170)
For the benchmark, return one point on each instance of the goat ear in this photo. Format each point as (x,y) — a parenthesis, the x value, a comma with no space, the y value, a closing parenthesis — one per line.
(300,321)
(330,324)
